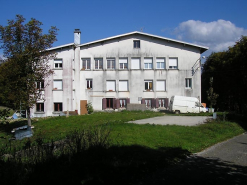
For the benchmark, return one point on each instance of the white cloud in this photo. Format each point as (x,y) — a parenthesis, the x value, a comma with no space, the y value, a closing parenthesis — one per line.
(217,35)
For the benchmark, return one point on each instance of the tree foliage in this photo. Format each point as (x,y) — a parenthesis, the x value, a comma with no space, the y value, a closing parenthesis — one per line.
(25,47)
(228,70)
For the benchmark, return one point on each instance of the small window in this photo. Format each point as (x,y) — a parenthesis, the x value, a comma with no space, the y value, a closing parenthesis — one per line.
(188,83)
(148,85)
(123,85)
(162,103)
(148,63)
(110,85)
(123,63)
(40,107)
(58,107)
(58,64)
(161,85)
(122,103)
(110,63)
(86,64)
(136,44)
(89,83)
(148,102)
(135,63)
(160,63)
(40,85)
(57,85)
(98,63)
(173,63)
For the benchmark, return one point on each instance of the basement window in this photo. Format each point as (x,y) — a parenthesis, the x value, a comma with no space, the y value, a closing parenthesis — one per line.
(40,107)
(58,107)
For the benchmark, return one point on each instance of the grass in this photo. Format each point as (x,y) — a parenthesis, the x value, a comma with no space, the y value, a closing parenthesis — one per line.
(131,152)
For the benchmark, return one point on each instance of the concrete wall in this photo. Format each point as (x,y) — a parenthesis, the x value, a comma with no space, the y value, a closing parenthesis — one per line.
(74,78)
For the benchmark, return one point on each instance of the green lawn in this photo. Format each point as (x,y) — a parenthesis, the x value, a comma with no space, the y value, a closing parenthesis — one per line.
(132,153)
(193,139)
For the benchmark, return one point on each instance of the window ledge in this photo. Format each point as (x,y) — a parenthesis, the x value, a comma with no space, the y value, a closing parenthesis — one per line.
(161,91)
(110,69)
(97,69)
(57,89)
(148,91)
(57,68)
(123,91)
(39,112)
(173,69)
(57,112)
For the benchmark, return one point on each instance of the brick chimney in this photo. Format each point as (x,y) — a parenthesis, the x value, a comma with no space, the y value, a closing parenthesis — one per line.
(77,36)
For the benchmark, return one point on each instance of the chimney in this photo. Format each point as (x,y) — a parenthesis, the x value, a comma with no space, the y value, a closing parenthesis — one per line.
(77,36)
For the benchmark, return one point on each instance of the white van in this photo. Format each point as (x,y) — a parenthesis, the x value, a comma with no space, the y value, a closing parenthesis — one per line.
(184,104)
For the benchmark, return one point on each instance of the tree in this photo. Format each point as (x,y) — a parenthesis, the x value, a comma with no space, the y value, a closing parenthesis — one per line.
(25,47)
(228,69)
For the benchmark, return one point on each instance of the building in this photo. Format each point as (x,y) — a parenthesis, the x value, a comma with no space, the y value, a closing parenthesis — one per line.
(135,68)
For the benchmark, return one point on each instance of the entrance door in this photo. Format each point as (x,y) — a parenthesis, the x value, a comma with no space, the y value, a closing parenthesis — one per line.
(83,107)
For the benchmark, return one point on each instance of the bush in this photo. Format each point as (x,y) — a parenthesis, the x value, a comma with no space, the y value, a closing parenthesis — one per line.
(89,107)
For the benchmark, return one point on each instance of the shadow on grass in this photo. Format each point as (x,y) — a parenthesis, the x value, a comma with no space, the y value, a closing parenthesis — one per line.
(97,165)
(125,165)
(200,170)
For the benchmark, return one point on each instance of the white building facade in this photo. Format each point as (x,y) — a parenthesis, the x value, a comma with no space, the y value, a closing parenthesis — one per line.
(110,73)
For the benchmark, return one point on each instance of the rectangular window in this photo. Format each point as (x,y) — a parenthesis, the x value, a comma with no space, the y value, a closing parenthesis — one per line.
(160,63)
(58,64)
(110,85)
(40,107)
(161,102)
(136,44)
(148,102)
(86,63)
(89,83)
(110,63)
(123,63)
(98,63)
(58,106)
(40,85)
(148,85)
(57,85)
(122,103)
(148,63)
(123,85)
(161,85)
(135,63)
(173,63)
(188,83)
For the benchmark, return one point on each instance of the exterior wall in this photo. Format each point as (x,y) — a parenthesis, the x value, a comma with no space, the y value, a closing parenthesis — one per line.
(74,77)
(151,48)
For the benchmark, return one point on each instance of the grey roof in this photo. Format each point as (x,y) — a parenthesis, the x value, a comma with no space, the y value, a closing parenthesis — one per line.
(202,48)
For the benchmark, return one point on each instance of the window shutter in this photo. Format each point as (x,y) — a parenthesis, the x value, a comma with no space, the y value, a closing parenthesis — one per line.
(114,103)
(104,103)
(157,103)
(143,101)
(117,103)
(153,103)
(166,102)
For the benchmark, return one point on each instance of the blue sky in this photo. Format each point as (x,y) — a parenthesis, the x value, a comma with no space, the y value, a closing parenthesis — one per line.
(217,24)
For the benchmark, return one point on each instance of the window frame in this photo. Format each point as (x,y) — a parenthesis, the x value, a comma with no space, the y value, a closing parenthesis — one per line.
(157,85)
(148,84)
(171,60)
(127,85)
(134,59)
(136,44)
(87,65)
(59,62)
(56,88)
(124,64)
(112,62)
(108,89)
(148,63)
(98,61)
(58,103)
(164,59)
(188,83)
(40,107)
(40,85)
(89,83)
